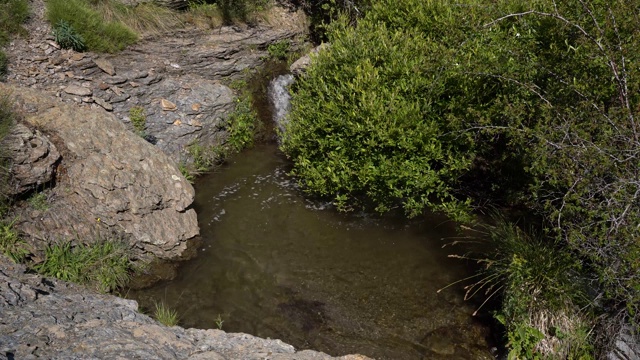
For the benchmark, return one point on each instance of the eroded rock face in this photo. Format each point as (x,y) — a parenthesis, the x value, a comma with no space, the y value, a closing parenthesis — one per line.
(50,319)
(33,158)
(109,181)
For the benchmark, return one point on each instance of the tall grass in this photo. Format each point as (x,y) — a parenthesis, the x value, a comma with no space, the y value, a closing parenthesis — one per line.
(99,35)
(543,293)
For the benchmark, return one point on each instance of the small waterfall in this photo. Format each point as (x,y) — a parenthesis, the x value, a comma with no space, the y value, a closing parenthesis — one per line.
(280,99)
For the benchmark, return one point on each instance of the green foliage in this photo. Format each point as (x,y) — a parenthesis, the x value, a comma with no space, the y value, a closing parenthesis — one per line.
(10,243)
(38,201)
(67,37)
(219,322)
(104,265)
(3,63)
(184,170)
(165,315)
(98,35)
(203,158)
(138,119)
(279,50)
(242,125)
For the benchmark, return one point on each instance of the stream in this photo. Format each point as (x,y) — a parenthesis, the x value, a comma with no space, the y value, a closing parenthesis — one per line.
(276,264)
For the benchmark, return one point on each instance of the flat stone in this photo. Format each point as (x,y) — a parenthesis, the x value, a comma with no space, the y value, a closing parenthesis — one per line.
(168,105)
(78,90)
(115,80)
(105,65)
(120,98)
(105,105)
(77,56)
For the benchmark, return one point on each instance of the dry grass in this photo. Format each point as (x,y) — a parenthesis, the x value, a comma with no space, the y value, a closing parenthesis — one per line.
(145,19)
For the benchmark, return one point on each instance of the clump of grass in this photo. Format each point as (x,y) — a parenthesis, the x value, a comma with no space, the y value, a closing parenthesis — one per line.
(138,119)
(542,291)
(165,315)
(38,201)
(10,243)
(99,35)
(67,37)
(105,265)
(224,12)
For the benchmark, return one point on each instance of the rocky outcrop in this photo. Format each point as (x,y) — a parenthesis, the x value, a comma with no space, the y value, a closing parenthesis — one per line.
(50,319)
(33,159)
(299,67)
(108,181)
(189,68)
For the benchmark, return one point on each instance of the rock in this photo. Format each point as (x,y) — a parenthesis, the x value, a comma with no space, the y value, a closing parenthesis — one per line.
(50,319)
(168,105)
(33,159)
(105,65)
(110,174)
(627,345)
(105,105)
(115,80)
(299,67)
(77,90)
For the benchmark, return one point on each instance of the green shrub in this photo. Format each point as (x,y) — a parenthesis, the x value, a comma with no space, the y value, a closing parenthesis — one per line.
(279,50)
(105,265)
(242,124)
(67,37)
(98,35)
(165,315)
(7,120)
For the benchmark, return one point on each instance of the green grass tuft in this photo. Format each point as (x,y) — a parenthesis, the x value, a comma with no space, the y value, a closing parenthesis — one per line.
(10,243)
(165,315)
(138,119)
(98,35)
(105,265)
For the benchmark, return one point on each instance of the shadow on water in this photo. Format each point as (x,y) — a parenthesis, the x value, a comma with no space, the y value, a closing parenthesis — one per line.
(276,264)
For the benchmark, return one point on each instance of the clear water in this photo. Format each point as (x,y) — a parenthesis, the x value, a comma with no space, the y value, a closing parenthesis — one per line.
(275,264)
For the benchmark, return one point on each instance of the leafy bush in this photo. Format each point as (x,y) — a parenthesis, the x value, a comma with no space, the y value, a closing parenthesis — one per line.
(279,50)
(242,124)
(104,265)
(98,35)
(67,37)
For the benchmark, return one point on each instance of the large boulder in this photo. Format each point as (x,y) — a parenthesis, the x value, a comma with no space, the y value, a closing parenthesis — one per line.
(108,181)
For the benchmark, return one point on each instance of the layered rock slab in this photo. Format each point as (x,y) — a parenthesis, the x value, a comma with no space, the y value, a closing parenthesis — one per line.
(50,319)
(109,181)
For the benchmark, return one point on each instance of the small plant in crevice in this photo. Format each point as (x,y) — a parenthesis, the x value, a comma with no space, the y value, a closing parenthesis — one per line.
(38,201)
(138,120)
(184,170)
(219,322)
(165,315)
(67,37)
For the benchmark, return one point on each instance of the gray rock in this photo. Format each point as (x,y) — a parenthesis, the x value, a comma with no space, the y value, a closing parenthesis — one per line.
(627,345)
(299,67)
(33,158)
(51,319)
(113,181)
(105,105)
(78,90)
(105,65)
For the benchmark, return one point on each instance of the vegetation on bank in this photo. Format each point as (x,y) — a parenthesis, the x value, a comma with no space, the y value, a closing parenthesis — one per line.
(13,13)
(434,105)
